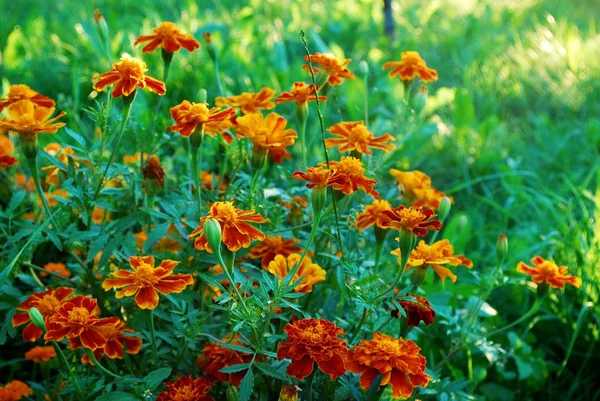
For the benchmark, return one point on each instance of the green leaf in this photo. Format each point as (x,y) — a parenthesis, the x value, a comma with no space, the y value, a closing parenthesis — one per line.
(118,396)
(246,386)
(158,233)
(153,379)
(273,371)
(235,368)
(96,246)
(16,201)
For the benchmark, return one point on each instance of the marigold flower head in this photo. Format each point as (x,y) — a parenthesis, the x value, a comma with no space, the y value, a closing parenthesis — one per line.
(116,342)
(272,246)
(169,38)
(319,177)
(546,271)
(127,75)
(235,230)
(47,302)
(416,311)
(147,281)
(154,172)
(416,187)
(436,255)
(190,117)
(313,341)
(352,171)
(40,354)
(336,71)
(301,93)
(373,215)
(410,66)
(29,120)
(289,392)
(78,318)
(267,133)
(216,357)
(187,389)
(356,136)
(52,197)
(20,92)
(6,148)
(209,180)
(399,361)
(311,273)
(62,154)
(58,268)
(167,243)
(249,102)
(416,220)
(99,215)
(132,159)
(14,391)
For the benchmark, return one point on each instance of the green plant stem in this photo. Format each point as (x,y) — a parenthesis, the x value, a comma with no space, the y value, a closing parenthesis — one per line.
(302,137)
(218,77)
(384,324)
(311,238)
(231,281)
(196,159)
(32,162)
(92,357)
(363,319)
(66,363)
(378,253)
(403,262)
(309,385)
(166,69)
(153,336)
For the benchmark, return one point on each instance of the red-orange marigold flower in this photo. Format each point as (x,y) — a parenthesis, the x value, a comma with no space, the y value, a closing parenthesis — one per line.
(78,318)
(127,75)
(187,389)
(147,281)
(40,354)
(311,273)
(58,268)
(373,215)
(24,92)
(411,66)
(6,148)
(416,310)
(546,271)
(216,357)
(153,171)
(399,361)
(249,102)
(272,246)
(190,117)
(14,391)
(167,36)
(235,230)
(29,120)
(336,71)
(356,136)
(319,177)
(352,171)
(311,341)
(47,302)
(416,220)
(116,342)
(301,93)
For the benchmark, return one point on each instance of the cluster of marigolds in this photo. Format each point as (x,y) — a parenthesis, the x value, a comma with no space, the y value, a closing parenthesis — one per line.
(58,314)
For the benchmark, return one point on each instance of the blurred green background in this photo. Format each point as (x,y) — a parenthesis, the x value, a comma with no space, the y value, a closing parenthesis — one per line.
(512,132)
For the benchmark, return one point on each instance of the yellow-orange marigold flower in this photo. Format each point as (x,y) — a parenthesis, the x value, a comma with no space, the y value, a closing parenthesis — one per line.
(62,155)
(352,171)
(40,354)
(24,92)
(127,75)
(301,93)
(416,220)
(272,246)
(267,133)
(356,136)
(249,102)
(319,177)
(58,268)
(14,391)
(546,271)
(116,342)
(190,117)
(6,148)
(399,361)
(289,392)
(336,71)
(29,120)
(216,357)
(416,187)
(209,180)
(132,159)
(311,273)
(235,230)
(373,215)
(167,243)
(187,389)
(147,281)
(53,196)
(313,341)
(169,38)
(410,66)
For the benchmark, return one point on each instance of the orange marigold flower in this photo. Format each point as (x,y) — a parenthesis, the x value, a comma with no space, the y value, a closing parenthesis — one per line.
(416,220)
(127,75)
(169,38)
(47,302)
(319,177)
(116,342)
(373,215)
(267,133)
(416,187)
(132,159)
(168,243)
(40,354)
(249,102)
(209,180)
(6,148)
(416,310)
(235,230)
(436,255)
(399,361)
(301,93)
(356,136)
(53,196)
(62,154)
(336,71)
(24,92)
(24,182)
(58,268)
(311,341)
(546,271)
(190,117)
(352,171)
(187,389)
(289,392)
(29,120)
(99,215)
(216,357)
(410,66)
(311,273)
(78,318)
(153,171)
(147,281)
(272,246)
(14,391)
(222,127)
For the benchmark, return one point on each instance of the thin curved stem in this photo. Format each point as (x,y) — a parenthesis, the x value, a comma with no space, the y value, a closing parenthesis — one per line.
(62,357)
(231,281)
(196,160)
(403,262)
(153,336)
(363,319)
(40,191)
(92,357)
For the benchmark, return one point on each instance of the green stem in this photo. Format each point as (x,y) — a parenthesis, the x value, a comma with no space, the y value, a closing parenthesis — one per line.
(302,137)
(403,262)
(378,253)
(166,69)
(153,336)
(218,77)
(196,160)
(363,319)
(92,357)
(64,360)
(32,162)
(232,283)
(309,385)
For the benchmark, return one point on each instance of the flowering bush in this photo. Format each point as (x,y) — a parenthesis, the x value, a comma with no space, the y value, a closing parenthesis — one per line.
(243,250)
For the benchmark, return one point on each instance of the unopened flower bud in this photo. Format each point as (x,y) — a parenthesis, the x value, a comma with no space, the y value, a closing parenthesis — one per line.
(407,241)
(418,276)
(302,112)
(420,100)
(289,393)
(364,67)
(212,51)
(101,25)
(502,248)
(202,95)
(444,209)
(36,318)
(232,394)
(212,232)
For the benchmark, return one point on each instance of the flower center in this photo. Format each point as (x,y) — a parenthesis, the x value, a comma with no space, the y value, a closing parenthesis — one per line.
(358,134)
(79,316)
(200,112)
(351,166)
(144,275)
(389,347)
(311,334)
(411,217)
(225,212)
(185,393)
(47,305)
(548,268)
(132,68)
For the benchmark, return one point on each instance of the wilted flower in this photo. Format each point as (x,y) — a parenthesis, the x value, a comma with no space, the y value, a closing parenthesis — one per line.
(153,172)
(301,94)
(167,36)
(336,71)
(186,389)
(40,354)
(216,357)
(272,246)
(311,273)
(546,271)
(23,92)
(356,136)
(411,66)
(249,102)
(127,75)
(289,393)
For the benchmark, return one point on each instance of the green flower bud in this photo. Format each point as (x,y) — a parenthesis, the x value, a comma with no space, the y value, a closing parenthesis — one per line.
(212,232)
(502,248)
(364,67)
(202,95)
(444,209)
(302,111)
(36,318)
(318,199)
(420,100)
(232,394)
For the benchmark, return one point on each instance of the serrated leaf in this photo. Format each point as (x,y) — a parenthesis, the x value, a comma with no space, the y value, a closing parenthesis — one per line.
(153,379)
(272,371)
(16,201)
(78,138)
(246,386)
(96,246)
(159,232)
(235,368)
